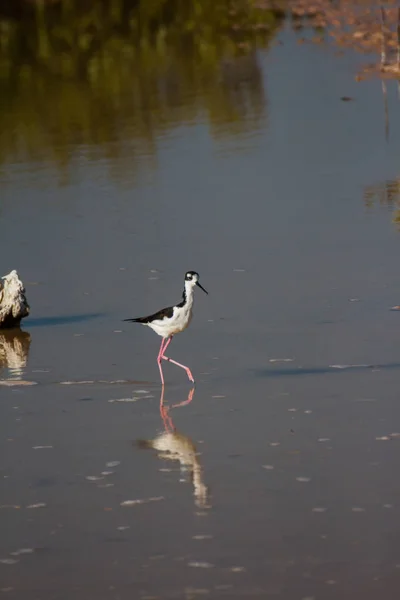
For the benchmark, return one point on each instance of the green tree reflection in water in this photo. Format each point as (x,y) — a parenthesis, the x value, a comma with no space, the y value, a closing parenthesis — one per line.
(112,76)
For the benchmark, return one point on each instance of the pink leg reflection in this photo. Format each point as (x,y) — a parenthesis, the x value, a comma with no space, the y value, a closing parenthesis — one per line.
(164,410)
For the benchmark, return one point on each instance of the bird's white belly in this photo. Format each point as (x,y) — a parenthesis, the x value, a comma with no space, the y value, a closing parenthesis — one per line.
(177,323)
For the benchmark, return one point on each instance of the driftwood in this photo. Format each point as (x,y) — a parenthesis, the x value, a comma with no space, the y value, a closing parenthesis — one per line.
(13,303)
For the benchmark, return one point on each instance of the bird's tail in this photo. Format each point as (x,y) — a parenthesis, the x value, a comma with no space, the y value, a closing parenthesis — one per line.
(139,320)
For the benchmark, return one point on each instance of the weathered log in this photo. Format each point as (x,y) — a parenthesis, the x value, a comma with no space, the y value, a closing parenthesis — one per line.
(13,303)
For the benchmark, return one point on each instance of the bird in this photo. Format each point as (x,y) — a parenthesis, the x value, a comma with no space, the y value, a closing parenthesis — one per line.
(169,321)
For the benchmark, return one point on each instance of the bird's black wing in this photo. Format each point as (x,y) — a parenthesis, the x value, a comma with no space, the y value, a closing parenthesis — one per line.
(158,316)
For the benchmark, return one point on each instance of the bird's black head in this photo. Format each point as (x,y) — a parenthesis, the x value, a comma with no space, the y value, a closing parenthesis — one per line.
(192,275)
(192,278)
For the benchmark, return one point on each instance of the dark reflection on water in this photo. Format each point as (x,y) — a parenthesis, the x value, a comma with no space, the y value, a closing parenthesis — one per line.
(323,370)
(14,351)
(113,76)
(62,319)
(171,445)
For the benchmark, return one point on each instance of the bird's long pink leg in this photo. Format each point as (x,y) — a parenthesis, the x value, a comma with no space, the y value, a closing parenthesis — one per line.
(160,356)
(188,371)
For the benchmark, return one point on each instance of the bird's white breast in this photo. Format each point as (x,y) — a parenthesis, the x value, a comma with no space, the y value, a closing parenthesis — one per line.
(180,319)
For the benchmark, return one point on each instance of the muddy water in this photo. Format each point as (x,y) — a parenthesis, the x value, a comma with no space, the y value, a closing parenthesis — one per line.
(278,476)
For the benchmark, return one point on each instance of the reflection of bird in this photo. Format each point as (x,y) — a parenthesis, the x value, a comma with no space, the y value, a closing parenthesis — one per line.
(14,350)
(172,320)
(172,445)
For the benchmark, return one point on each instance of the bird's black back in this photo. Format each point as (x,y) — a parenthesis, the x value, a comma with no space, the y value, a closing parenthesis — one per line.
(161,314)
(158,316)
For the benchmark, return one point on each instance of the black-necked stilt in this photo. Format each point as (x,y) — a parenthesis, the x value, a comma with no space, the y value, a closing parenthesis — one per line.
(172,320)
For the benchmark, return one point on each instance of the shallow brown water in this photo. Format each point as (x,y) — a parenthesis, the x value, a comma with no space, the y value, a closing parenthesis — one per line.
(295,418)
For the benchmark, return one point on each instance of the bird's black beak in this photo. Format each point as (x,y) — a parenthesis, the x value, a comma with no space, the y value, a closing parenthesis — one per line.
(201,287)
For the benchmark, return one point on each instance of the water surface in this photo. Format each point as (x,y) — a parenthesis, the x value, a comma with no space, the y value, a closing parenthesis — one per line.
(251,170)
